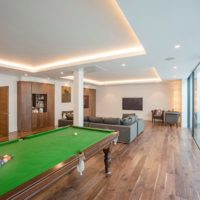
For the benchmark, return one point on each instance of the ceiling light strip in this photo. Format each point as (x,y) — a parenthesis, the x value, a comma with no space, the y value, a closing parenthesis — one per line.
(145,80)
(13,65)
(77,60)
(93,57)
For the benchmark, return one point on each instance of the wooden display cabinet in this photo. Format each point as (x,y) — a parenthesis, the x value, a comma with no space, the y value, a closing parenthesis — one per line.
(35,106)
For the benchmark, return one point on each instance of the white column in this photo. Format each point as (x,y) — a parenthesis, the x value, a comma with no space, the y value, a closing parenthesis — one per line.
(184,100)
(78,97)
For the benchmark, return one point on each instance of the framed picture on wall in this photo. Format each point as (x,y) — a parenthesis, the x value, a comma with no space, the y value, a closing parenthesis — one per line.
(86,101)
(66,94)
(132,103)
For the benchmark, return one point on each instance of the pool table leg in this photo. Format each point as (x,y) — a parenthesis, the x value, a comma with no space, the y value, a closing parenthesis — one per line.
(107,160)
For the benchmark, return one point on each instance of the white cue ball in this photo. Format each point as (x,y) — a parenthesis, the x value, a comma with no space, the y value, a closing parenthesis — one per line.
(75,133)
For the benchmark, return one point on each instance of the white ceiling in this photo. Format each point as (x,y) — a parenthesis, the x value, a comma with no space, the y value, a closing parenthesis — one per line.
(118,73)
(162,24)
(38,32)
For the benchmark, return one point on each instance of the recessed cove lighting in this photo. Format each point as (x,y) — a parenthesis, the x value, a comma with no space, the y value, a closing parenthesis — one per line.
(95,82)
(154,79)
(177,46)
(105,55)
(61,73)
(123,65)
(67,84)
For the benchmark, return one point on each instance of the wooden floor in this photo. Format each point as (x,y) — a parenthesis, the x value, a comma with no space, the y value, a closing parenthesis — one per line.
(162,163)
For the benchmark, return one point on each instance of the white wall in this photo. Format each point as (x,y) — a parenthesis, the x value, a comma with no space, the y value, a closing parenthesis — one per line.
(109,98)
(59,107)
(11,82)
(155,95)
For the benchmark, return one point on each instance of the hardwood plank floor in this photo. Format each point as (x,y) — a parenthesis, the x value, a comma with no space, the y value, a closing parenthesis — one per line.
(162,163)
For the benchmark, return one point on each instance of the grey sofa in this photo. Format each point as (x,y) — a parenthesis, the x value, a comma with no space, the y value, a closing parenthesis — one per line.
(127,133)
(129,127)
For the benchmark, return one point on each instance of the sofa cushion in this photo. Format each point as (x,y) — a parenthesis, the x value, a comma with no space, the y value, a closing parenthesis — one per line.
(127,115)
(70,115)
(86,118)
(95,119)
(111,120)
(64,122)
(86,124)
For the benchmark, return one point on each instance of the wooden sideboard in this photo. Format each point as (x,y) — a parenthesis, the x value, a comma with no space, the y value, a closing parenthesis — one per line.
(27,120)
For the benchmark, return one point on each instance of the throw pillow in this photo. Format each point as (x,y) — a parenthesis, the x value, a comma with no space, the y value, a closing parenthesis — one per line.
(125,121)
(64,116)
(127,115)
(70,115)
(158,113)
(128,121)
(132,118)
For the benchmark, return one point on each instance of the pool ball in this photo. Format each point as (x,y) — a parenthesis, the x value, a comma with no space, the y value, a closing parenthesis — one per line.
(9,157)
(2,162)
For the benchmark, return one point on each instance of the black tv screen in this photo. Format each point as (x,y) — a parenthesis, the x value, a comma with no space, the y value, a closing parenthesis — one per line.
(132,103)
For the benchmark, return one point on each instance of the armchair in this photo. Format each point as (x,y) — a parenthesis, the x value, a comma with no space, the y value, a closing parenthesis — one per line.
(171,118)
(159,115)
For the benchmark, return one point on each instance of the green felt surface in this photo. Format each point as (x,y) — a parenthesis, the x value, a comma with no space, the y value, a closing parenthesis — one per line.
(40,152)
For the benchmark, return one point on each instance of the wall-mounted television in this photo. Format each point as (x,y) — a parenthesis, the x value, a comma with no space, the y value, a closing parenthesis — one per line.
(132,103)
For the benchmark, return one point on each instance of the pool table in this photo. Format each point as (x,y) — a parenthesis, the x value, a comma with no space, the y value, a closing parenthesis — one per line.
(40,159)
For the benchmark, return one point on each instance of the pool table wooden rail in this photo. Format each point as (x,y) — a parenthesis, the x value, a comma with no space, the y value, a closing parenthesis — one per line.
(39,183)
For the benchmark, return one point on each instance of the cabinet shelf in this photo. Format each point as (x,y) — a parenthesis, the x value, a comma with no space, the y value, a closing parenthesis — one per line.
(39,103)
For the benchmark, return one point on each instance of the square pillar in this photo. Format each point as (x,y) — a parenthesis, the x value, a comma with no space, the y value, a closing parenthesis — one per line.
(78,97)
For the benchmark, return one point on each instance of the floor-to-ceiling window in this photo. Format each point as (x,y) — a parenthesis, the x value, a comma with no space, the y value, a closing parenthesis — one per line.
(197,105)
(190,102)
(194,104)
